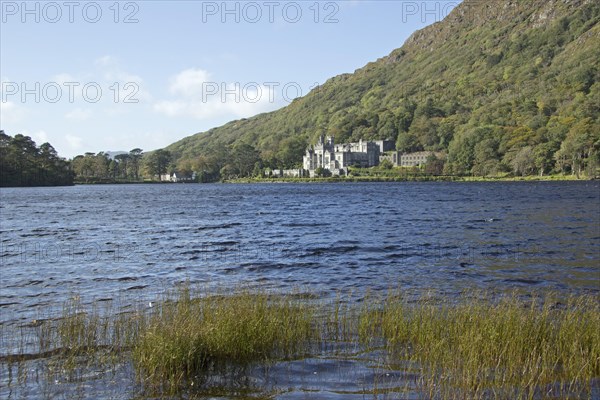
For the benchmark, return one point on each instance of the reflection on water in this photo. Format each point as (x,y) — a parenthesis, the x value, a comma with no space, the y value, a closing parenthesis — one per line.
(356,376)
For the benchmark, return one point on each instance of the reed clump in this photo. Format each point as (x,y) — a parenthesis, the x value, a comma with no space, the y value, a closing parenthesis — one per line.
(193,337)
(84,329)
(476,346)
(493,348)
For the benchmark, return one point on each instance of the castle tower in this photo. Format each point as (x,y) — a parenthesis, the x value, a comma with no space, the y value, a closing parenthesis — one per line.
(322,139)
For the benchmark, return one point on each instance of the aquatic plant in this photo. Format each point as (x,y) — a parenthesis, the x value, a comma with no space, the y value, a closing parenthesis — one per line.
(191,337)
(476,346)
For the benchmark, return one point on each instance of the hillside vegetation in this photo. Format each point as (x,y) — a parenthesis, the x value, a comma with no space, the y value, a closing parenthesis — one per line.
(501,86)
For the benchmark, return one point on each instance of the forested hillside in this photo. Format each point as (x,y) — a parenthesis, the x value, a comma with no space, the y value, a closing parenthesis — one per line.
(500,85)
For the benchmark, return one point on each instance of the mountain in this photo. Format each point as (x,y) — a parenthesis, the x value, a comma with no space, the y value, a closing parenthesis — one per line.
(112,154)
(501,85)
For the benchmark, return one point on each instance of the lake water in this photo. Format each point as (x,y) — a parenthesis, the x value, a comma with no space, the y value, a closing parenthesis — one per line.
(132,242)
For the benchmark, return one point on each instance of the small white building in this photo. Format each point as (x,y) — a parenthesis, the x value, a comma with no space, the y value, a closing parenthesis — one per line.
(183,177)
(178,177)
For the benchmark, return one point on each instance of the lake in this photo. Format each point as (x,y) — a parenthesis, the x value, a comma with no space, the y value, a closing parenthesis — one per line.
(130,243)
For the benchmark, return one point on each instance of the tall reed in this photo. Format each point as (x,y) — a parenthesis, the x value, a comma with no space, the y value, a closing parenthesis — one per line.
(191,337)
(477,346)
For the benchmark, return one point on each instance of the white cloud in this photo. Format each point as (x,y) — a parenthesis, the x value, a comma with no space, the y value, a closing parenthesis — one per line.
(40,137)
(189,83)
(130,86)
(79,114)
(353,3)
(214,107)
(65,77)
(171,108)
(115,111)
(105,61)
(199,97)
(74,142)
(11,112)
(117,85)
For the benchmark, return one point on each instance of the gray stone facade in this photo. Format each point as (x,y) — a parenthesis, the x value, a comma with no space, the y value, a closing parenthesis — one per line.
(386,145)
(288,173)
(336,158)
(416,159)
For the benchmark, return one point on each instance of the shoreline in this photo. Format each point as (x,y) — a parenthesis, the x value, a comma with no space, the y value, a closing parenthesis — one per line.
(367,179)
(515,345)
(346,179)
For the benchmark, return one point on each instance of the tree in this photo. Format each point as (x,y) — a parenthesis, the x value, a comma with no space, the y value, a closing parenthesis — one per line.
(407,142)
(405,115)
(228,171)
(113,169)
(424,130)
(47,152)
(23,154)
(22,163)
(243,158)
(520,137)
(258,170)
(486,158)
(101,164)
(428,110)
(434,165)
(83,165)
(122,161)
(158,162)
(581,146)
(6,167)
(55,170)
(386,129)
(543,156)
(524,161)
(292,150)
(135,156)
(445,130)
(322,172)
(461,152)
(386,164)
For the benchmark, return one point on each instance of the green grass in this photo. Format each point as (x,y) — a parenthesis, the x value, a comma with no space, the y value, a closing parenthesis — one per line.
(376,174)
(191,337)
(509,348)
(476,346)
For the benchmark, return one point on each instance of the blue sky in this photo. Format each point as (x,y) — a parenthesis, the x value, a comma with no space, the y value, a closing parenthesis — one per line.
(107,75)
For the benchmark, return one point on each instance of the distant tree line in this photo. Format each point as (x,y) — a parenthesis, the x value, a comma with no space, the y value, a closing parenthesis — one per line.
(23,163)
(100,167)
(135,166)
(239,160)
(243,159)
